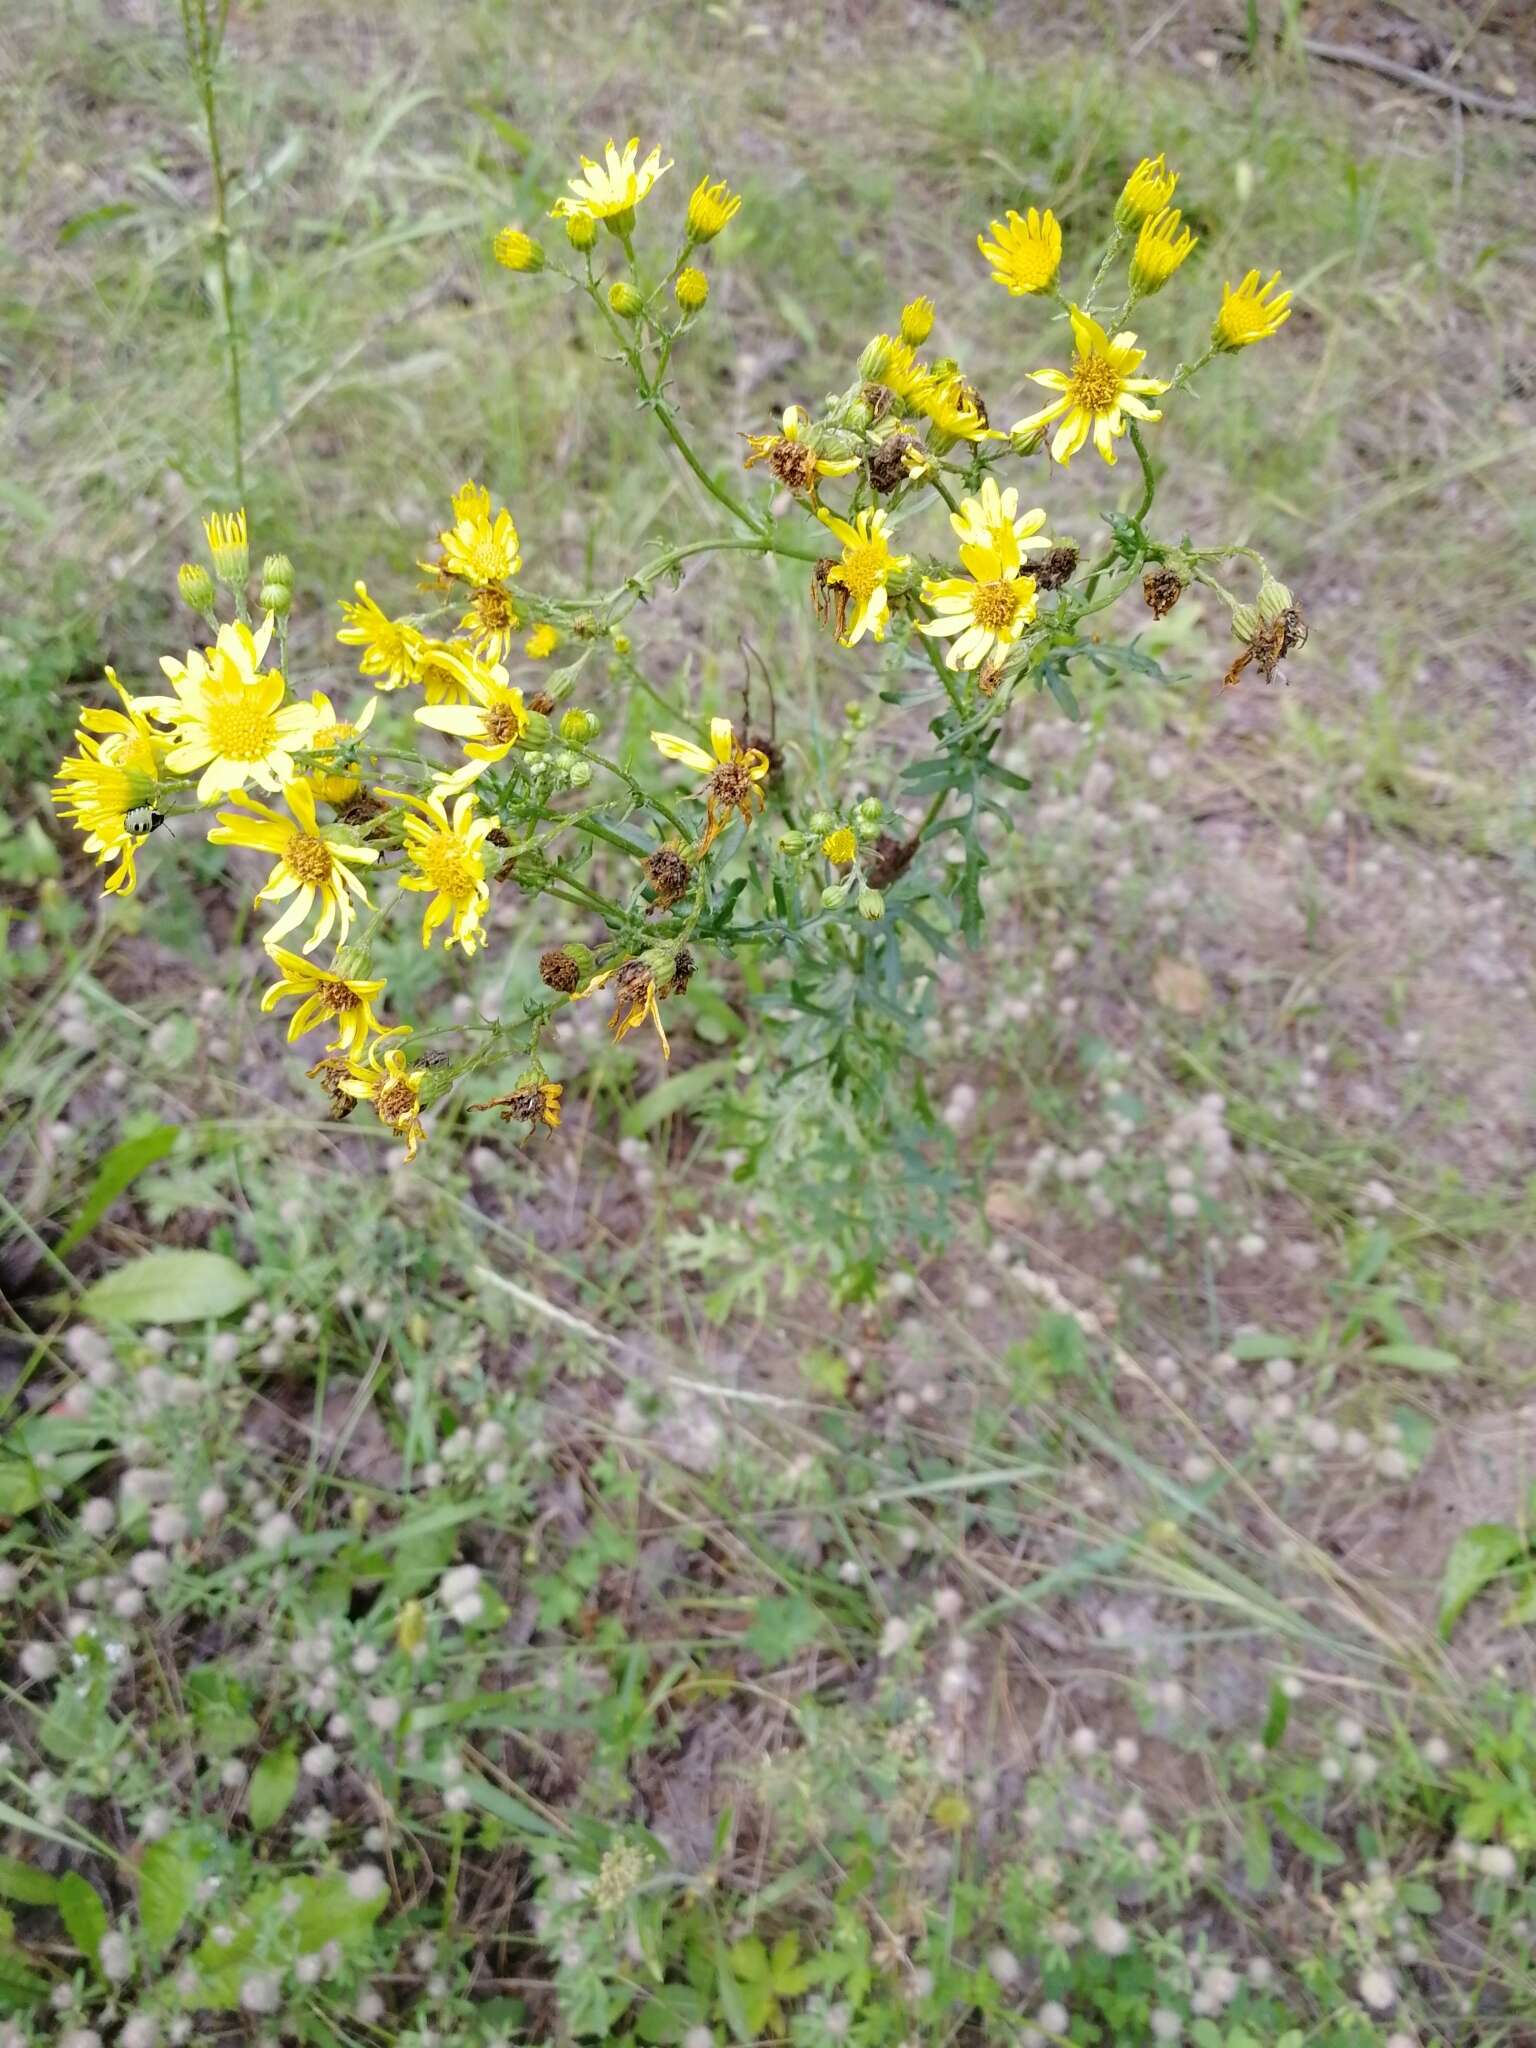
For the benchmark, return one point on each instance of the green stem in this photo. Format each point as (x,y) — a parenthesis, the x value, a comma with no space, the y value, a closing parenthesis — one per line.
(203,47)
(717,491)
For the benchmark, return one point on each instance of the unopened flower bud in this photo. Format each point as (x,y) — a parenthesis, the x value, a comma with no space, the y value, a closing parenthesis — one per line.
(833,895)
(710,207)
(874,359)
(196,587)
(625,300)
(277,569)
(411,1627)
(1274,598)
(869,811)
(276,598)
(871,905)
(917,321)
(229,545)
(820,821)
(580,231)
(1245,621)
(578,727)
(792,844)
(514,250)
(691,289)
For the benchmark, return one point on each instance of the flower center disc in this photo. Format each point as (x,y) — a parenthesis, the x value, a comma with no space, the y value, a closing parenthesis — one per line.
(240,730)
(444,863)
(1095,384)
(310,859)
(996,606)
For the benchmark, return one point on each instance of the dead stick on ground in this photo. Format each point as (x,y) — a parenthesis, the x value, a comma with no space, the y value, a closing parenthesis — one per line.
(1405,74)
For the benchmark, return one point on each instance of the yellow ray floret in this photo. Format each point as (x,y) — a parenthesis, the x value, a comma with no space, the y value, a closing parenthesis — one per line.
(1250,312)
(312,865)
(392,648)
(986,610)
(446,850)
(735,774)
(490,722)
(1146,191)
(327,996)
(230,718)
(1161,247)
(613,188)
(1097,392)
(993,520)
(1025,252)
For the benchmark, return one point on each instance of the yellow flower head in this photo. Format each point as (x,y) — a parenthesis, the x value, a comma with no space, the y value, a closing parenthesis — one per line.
(986,610)
(229,545)
(735,775)
(393,1086)
(791,454)
(1161,247)
(336,785)
(639,985)
(1025,253)
(840,846)
(710,208)
(230,718)
(477,548)
(326,996)
(610,191)
(514,250)
(1251,312)
(1146,191)
(993,520)
(490,723)
(1096,393)
(541,643)
(108,790)
(866,565)
(447,852)
(489,624)
(917,321)
(953,405)
(893,363)
(312,865)
(392,648)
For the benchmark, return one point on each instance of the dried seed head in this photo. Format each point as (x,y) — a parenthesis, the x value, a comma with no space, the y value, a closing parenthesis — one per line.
(542,702)
(892,859)
(793,463)
(887,465)
(557,970)
(683,968)
(1162,588)
(879,398)
(1055,568)
(669,874)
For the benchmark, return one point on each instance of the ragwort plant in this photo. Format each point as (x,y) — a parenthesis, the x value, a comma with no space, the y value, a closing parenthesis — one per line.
(469,771)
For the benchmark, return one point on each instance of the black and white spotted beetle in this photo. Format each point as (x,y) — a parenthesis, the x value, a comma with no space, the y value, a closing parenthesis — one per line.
(142,820)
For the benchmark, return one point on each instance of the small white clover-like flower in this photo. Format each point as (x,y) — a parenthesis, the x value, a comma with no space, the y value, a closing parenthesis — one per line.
(1376,1988)
(262,1991)
(366,1882)
(1495,1861)
(39,1662)
(1110,1936)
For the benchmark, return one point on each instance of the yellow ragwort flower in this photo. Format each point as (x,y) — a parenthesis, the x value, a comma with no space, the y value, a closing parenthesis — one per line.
(444,666)
(490,723)
(1096,393)
(791,454)
(109,789)
(312,865)
(735,774)
(986,609)
(336,785)
(1026,252)
(917,321)
(993,520)
(1161,247)
(229,545)
(710,208)
(394,1089)
(953,405)
(541,643)
(514,250)
(391,647)
(447,852)
(867,563)
(1250,312)
(477,548)
(230,718)
(840,846)
(1146,191)
(489,623)
(327,996)
(893,362)
(611,190)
